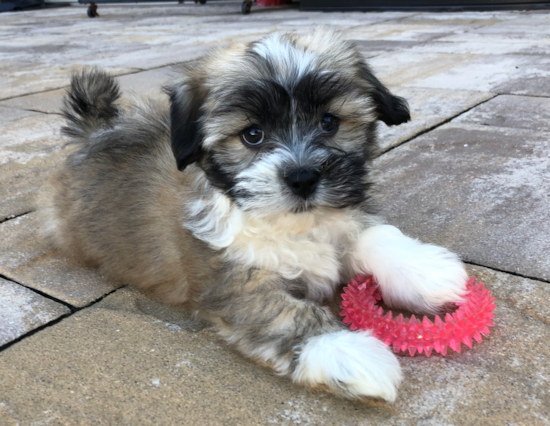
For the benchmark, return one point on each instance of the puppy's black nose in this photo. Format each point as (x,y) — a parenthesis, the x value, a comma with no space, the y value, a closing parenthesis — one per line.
(303,182)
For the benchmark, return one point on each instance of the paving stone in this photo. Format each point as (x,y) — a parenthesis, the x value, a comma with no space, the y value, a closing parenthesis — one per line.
(20,182)
(39,58)
(482,191)
(520,35)
(520,112)
(22,310)
(524,26)
(398,31)
(429,107)
(371,48)
(129,360)
(519,74)
(535,82)
(26,135)
(26,259)
(32,79)
(146,83)
(48,102)
(465,21)
(427,27)
(502,380)
(468,43)
(30,147)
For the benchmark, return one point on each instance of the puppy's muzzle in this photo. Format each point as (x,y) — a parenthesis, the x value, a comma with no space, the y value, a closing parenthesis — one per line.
(303,182)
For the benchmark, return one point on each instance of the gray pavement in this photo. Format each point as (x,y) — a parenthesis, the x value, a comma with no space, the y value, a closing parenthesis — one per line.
(471,172)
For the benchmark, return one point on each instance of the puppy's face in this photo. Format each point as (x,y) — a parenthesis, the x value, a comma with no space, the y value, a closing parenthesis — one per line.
(284,125)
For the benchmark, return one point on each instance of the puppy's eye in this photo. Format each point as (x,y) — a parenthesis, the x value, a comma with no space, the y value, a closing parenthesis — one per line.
(329,124)
(253,136)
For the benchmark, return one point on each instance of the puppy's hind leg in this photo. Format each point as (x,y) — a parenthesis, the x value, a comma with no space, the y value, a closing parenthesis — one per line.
(412,275)
(299,338)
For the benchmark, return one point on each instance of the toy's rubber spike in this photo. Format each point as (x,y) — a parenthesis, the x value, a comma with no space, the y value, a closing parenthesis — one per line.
(470,321)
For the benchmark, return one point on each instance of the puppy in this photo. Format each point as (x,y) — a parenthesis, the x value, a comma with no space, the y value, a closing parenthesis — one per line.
(246,198)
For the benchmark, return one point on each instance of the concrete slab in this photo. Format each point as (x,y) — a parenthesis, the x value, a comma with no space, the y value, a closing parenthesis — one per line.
(429,107)
(22,310)
(468,43)
(25,258)
(145,83)
(519,112)
(481,191)
(371,48)
(427,27)
(33,79)
(396,31)
(20,182)
(30,146)
(45,51)
(129,360)
(524,34)
(520,74)
(466,20)
(533,83)
(47,102)
(27,135)
(522,26)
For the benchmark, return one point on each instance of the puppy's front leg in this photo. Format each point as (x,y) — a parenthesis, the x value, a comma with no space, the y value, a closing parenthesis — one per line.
(254,311)
(412,275)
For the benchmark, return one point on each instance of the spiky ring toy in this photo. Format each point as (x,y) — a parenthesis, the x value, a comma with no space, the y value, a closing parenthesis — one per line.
(470,320)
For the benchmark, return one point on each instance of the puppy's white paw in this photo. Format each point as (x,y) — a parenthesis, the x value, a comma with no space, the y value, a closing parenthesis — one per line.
(412,275)
(353,364)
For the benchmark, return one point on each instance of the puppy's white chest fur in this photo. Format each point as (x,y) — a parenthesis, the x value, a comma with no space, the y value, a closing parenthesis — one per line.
(309,246)
(301,246)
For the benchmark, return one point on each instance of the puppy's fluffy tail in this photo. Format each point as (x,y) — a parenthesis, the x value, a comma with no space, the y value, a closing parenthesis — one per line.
(90,103)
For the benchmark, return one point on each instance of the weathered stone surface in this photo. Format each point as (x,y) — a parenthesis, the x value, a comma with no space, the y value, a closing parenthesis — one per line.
(129,360)
(371,48)
(49,102)
(39,58)
(25,258)
(507,34)
(468,43)
(521,74)
(534,82)
(33,78)
(145,83)
(19,183)
(429,107)
(520,112)
(26,135)
(523,26)
(22,310)
(397,31)
(30,147)
(502,380)
(427,27)
(482,191)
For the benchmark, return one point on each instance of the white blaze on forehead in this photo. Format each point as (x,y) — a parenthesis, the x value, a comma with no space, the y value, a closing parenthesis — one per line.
(290,61)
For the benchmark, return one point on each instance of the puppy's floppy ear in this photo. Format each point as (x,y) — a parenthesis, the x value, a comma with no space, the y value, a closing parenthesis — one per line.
(186,100)
(390,109)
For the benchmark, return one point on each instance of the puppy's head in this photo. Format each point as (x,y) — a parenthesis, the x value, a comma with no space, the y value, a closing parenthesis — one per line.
(283,125)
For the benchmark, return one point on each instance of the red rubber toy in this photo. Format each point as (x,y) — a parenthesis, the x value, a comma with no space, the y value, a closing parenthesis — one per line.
(472,319)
